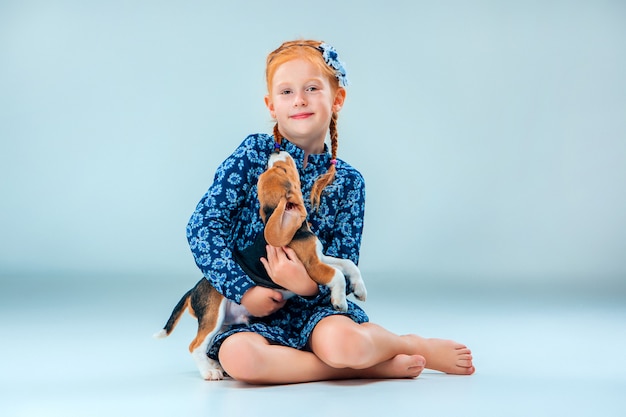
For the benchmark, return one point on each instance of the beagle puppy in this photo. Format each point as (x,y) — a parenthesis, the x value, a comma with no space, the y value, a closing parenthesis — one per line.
(284,215)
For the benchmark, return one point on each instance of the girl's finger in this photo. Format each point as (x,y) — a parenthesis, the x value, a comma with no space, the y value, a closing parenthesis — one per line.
(271,254)
(267,266)
(277,296)
(290,253)
(281,255)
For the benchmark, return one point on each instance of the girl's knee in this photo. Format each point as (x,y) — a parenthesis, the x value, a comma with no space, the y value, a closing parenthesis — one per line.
(341,343)
(239,356)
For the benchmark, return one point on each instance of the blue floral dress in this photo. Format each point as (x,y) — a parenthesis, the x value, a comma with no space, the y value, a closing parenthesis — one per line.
(227,217)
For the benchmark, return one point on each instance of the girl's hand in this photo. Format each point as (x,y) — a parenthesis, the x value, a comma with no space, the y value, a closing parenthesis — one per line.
(286,270)
(261,301)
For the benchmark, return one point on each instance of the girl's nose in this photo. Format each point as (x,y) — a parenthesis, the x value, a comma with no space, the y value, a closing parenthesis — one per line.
(299,100)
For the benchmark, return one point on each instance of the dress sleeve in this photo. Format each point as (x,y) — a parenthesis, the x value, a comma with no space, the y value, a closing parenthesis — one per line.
(348,228)
(211,228)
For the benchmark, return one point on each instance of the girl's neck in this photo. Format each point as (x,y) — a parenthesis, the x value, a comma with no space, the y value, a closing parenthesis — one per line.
(309,148)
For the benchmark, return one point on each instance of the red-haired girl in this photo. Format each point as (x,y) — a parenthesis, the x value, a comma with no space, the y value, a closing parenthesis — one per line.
(303,338)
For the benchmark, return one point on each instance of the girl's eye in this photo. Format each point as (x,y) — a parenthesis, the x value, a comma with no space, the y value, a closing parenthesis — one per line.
(312,88)
(285,92)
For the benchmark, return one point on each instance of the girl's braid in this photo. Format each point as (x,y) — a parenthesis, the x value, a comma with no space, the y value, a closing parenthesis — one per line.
(278,139)
(333,136)
(329,176)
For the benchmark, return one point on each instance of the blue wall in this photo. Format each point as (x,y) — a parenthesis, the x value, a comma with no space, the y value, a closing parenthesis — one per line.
(492,135)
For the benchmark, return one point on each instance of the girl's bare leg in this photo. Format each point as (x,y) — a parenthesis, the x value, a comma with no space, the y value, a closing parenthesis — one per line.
(340,342)
(248,357)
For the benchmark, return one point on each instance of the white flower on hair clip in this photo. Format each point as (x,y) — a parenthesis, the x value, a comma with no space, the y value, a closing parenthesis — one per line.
(332,59)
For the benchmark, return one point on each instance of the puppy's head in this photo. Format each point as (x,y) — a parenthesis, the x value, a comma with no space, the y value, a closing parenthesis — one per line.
(282,205)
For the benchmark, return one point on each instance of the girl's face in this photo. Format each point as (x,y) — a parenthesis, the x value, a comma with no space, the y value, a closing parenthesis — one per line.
(302,102)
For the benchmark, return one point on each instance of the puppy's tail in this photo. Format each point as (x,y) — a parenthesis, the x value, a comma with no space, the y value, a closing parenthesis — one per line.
(178,311)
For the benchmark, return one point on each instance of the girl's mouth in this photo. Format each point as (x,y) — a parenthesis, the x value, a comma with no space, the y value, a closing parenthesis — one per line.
(301,115)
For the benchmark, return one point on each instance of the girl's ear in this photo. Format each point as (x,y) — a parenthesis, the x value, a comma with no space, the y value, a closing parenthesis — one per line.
(270,106)
(340,97)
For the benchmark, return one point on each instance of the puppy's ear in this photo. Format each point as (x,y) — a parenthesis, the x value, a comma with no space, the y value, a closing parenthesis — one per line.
(282,224)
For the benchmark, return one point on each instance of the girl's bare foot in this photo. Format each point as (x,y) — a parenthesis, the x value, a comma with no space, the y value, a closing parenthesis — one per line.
(444,355)
(400,366)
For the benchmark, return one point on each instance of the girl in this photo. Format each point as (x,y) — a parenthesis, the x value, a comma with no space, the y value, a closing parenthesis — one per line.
(301,339)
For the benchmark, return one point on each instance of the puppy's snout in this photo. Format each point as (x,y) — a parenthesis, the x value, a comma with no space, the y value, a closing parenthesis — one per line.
(275,157)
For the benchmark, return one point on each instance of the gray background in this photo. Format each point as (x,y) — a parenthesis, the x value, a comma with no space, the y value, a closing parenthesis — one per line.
(492,135)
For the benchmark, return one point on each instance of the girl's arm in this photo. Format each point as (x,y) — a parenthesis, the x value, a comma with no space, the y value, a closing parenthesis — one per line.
(211,229)
(345,239)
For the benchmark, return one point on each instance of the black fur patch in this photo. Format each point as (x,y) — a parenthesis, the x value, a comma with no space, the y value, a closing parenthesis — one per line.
(249,260)
(304,232)
(267,210)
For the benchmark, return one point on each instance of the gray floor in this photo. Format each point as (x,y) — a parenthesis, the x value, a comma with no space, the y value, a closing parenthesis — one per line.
(78,347)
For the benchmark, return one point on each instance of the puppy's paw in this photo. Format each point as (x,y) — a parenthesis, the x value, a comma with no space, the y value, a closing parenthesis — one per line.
(359,290)
(210,369)
(213,374)
(339,304)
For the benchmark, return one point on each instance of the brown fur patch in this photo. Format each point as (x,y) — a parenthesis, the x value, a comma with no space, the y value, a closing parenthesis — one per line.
(206,304)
